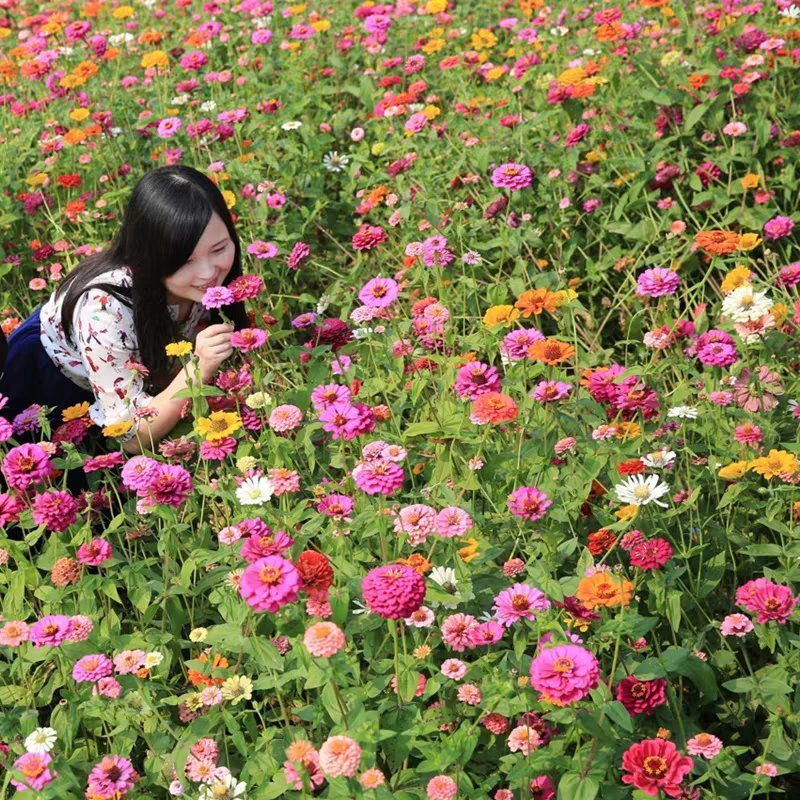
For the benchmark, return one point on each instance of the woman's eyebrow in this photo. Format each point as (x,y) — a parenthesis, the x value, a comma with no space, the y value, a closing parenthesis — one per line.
(221,241)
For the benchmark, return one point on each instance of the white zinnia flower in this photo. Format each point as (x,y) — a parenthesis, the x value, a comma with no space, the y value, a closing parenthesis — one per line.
(291,126)
(255,491)
(334,162)
(225,787)
(153,659)
(793,12)
(745,305)
(682,412)
(445,577)
(659,459)
(41,741)
(637,490)
(208,105)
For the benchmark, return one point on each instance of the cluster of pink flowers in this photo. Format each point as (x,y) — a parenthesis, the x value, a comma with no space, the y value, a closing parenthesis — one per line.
(418,521)
(428,320)
(768,600)
(156,483)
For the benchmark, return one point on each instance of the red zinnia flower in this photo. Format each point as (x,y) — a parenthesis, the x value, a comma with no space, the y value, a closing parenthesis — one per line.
(315,570)
(633,467)
(651,553)
(654,765)
(600,541)
(641,697)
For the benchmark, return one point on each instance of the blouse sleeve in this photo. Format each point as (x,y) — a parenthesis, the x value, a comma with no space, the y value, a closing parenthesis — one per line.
(106,335)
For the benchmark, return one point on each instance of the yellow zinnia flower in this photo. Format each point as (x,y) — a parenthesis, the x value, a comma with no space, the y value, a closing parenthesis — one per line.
(738,276)
(500,314)
(735,471)
(749,241)
(470,551)
(177,349)
(218,425)
(750,181)
(777,463)
(158,58)
(626,513)
(117,429)
(75,412)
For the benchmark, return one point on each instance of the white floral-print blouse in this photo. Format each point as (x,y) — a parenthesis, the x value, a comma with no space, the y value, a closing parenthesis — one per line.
(104,342)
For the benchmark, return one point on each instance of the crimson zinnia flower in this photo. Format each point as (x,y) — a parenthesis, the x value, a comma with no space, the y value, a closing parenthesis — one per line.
(315,570)
(654,765)
(641,697)
(651,553)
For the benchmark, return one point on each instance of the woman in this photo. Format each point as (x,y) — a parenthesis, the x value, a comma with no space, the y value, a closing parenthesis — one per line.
(104,331)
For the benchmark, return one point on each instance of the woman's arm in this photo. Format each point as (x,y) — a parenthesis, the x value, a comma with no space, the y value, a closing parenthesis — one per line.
(211,349)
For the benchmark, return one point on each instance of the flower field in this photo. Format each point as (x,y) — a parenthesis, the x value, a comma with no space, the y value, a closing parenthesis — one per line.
(497,497)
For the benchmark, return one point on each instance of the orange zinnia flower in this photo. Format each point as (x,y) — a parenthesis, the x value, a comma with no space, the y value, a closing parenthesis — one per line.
(717,243)
(551,351)
(198,679)
(603,589)
(536,301)
(493,408)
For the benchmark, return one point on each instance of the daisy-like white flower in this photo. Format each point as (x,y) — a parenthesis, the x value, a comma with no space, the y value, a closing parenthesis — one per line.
(208,105)
(291,126)
(41,741)
(638,490)
(255,491)
(658,459)
(682,412)
(223,787)
(445,577)
(793,12)
(744,304)
(334,162)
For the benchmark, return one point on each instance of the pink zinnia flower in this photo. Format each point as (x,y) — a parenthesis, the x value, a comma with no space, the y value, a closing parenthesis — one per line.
(284,481)
(454,668)
(516,344)
(92,668)
(778,227)
(95,552)
(736,625)
(650,553)
(452,521)
(262,250)
(519,602)
(129,661)
(457,631)
(655,765)
(217,296)
(218,449)
(328,395)
(529,503)
(512,176)
(441,788)
(770,601)
(169,126)
(550,391)
(486,633)
(25,465)
(341,420)
(248,339)
(285,418)
(246,287)
(139,472)
(417,521)
(767,768)
(525,739)
(14,633)
(340,755)
(475,379)
(270,583)
(262,542)
(54,509)
(379,477)
(34,767)
(393,591)
(368,237)
(564,674)
(657,282)
(705,745)
(336,506)
(324,639)
(113,776)
(170,485)
(379,292)
(542,788)
(50,631)
(10,508)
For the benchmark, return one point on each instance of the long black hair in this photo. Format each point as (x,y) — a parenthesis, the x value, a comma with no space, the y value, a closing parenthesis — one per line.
(167,213)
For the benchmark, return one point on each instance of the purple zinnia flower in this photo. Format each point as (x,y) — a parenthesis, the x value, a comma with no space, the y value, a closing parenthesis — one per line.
(657,282)
(512,176)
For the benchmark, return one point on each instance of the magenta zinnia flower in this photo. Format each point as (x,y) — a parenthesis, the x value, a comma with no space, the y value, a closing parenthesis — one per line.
(564,674)
(519,602)
(769,600)
(393,591)
(113,776)
(248,339)
(25,465)
(654,765)
(379,292)
(217,296)
(170,485)
(379,477)
(512,176)
(50,631)
(650,553)
(270,583)
(657,282)
(778,227)
(92,668)
(475,379)
(529,503)
(34,768)
(56,510)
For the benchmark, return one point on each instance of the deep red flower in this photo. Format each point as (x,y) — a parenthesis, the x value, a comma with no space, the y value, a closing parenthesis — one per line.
(642,697)
(651,553)
(654,765)
(600,541)
(315,571)
(633,467)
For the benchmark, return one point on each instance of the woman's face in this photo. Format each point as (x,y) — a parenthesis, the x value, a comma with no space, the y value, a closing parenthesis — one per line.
(208,265)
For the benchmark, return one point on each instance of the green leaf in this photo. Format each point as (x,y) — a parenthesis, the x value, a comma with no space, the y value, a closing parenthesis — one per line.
(573,786)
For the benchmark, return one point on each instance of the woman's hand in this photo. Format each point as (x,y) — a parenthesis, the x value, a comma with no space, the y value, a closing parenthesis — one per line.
(212,347)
